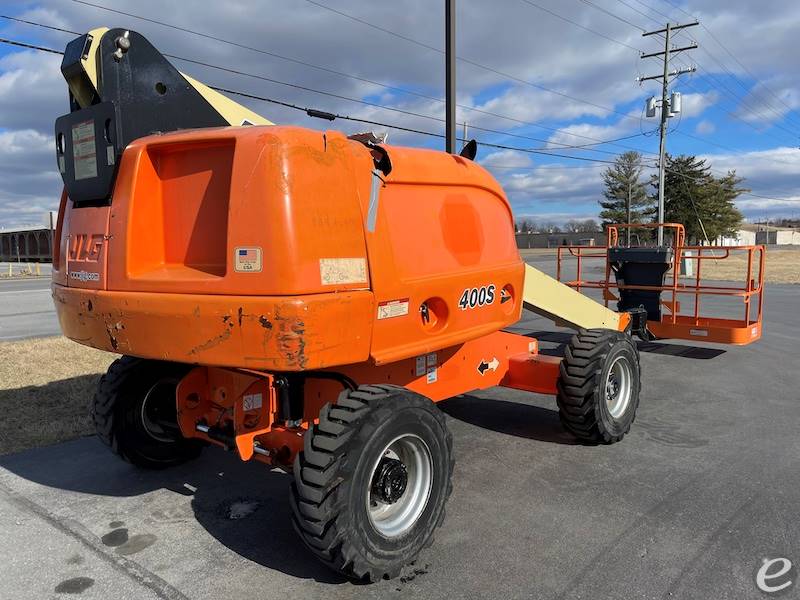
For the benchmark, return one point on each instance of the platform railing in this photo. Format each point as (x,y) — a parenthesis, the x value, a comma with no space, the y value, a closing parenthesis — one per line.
(673,324)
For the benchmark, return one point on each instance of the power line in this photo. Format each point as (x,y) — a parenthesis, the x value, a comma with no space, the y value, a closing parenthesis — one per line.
(611,14)
(402,111)
(576,24)
(467,61)
(548,167)
(333,116)
(53,27)
(636,10)
(733,115)
(717,61)
(559,145)
(597,162)
(363,79)
(29,46)
(721,45)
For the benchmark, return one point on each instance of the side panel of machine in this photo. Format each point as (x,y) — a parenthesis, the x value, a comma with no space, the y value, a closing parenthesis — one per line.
(293,333)
(81,248)
(444,264)
(249,211)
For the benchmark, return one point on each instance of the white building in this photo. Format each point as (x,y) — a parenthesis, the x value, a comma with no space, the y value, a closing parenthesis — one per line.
(750,235)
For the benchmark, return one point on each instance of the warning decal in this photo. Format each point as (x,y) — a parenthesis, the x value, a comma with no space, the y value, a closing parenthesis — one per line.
(84,153)
(336,271)
(420,366)
(252,401)
(393,308)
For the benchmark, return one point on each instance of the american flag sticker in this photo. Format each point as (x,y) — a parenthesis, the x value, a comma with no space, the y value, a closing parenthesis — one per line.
(247,259)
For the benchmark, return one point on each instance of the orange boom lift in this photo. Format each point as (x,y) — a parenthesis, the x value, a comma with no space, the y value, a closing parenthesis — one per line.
(304,298)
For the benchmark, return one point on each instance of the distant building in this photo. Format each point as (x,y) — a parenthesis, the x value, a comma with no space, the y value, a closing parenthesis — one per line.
(749,235)
(26,244)
(553,240)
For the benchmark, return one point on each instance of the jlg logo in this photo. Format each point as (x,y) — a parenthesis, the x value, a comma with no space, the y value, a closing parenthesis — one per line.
(85,247)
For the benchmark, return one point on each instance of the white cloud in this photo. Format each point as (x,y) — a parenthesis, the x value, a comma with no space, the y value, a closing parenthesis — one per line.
(507,158)
(705,127)
(693,105)
(519,40)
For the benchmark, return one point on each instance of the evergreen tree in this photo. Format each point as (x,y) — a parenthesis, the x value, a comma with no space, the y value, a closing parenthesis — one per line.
(620,180)
(703,204)
(720,215)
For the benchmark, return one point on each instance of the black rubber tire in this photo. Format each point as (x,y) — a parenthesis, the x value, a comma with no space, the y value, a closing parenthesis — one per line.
(334,471)
(117,413)
(583,374)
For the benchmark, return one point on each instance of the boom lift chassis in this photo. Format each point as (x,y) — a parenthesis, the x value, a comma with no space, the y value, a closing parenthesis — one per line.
(370,454)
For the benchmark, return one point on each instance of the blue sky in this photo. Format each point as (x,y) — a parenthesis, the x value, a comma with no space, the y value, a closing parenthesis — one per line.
(541,74)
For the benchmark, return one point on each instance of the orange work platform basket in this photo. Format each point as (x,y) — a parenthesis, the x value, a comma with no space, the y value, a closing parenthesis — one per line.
(693,302)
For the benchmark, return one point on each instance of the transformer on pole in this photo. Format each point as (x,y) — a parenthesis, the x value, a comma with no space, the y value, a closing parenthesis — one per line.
(668,105)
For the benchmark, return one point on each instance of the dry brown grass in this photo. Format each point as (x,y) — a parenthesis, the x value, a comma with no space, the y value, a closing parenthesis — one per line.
(783,266)
(523,252)
(45,389)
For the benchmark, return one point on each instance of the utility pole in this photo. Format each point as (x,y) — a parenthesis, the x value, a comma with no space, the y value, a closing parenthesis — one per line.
(628,216)
(450,74)
(667,108)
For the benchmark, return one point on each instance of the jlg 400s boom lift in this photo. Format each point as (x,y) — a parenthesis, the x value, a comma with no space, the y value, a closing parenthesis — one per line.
(304,299)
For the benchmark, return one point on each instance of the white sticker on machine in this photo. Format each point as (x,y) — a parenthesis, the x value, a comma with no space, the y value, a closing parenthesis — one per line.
(420,370)
(84,153)
(432,375)
(247,259)
(393,308)
(337,271)
(252,401)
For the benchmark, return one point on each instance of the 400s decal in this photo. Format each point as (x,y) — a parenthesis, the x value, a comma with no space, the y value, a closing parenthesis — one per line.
(480,296)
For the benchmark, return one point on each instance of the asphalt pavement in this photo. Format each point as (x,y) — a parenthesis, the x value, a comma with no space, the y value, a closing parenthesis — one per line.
(704,488)
(26,309)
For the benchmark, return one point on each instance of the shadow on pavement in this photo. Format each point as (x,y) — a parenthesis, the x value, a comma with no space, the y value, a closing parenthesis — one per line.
(245,506)
(682,350)
(512,418)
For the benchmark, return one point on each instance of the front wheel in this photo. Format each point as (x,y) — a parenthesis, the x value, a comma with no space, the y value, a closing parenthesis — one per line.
(598,386)
(372,481)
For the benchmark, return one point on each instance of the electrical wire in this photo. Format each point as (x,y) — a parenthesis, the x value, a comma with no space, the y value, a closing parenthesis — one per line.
(333,116)
(29,46)
(465,60)
(358,78)
(557,145)
(736,60)
(576,24)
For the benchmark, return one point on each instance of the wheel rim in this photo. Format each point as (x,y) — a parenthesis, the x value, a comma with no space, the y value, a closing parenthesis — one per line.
(394,513)
(153,412)
(618,387)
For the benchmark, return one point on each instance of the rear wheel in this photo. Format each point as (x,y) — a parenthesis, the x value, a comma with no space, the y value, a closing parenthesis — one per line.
(372,481)
(135,413)
(599,385)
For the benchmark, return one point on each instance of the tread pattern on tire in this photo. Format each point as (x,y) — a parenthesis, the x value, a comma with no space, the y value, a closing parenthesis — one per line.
(579,377)
(315,505)
(107,416)
(102,409)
